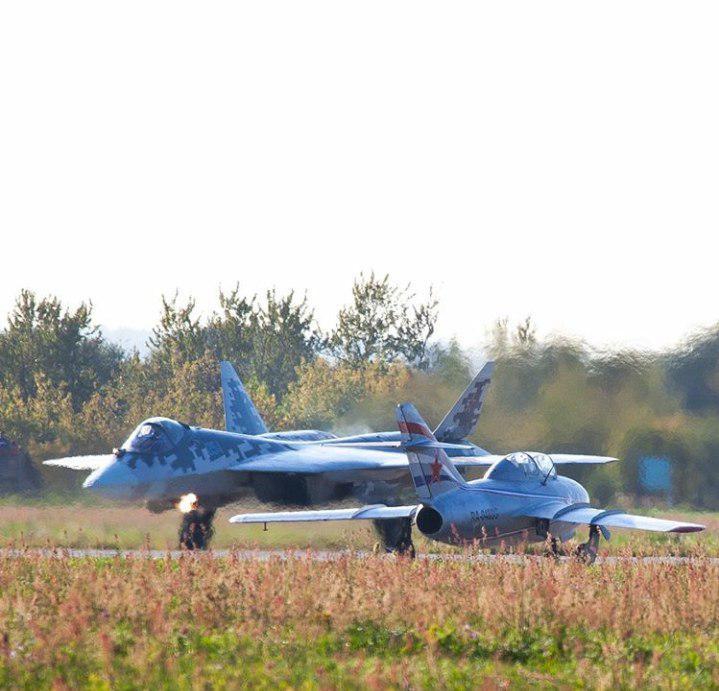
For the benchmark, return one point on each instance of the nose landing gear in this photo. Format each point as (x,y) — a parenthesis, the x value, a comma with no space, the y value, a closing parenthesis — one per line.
(196,529)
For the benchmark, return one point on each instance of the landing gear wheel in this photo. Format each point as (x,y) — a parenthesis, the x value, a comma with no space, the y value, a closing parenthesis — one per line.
(587,551)
(555,549)
(406,548)
(396,536)
(196,529)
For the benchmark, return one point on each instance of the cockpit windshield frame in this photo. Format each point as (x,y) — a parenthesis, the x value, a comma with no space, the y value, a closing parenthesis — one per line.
(525,461)
(544,463)
(523,465)
(149,437)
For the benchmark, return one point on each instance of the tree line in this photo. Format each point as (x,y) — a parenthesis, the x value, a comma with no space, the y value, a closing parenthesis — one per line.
(64,389)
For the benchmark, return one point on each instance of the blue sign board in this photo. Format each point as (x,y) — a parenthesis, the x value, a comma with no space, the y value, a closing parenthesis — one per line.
(655,474)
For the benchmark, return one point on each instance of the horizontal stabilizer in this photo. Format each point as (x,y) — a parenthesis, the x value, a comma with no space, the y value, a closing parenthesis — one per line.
(82,462)
(372,512)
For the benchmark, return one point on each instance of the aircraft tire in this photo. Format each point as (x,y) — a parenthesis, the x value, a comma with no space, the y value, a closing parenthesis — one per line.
(395,536)
(196,529)
(587,551)
(555,549)
(586,554)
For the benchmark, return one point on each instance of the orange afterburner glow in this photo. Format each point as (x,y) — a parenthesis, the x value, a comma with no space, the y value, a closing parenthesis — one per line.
(187,502)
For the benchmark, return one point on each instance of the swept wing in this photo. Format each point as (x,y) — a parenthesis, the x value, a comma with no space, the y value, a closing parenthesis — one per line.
(371,512)
(613,518)
(328,458)
(82,462)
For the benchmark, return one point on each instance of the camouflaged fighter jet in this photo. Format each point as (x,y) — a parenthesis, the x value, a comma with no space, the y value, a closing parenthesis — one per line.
(165,463)
(520,499)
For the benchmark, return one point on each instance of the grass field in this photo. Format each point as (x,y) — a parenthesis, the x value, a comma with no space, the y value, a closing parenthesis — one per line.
(354,622)
(83,525)
(373,622)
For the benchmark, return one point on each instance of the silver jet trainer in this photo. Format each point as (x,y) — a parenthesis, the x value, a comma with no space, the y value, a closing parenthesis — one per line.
(520,499)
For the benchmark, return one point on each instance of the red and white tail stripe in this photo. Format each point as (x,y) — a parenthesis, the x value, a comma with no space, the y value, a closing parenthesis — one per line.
(432,472)
(415,428)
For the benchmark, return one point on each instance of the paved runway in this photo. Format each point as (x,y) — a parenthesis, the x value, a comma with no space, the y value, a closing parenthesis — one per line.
(318,555)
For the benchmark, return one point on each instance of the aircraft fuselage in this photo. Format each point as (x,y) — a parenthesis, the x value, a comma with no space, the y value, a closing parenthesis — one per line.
(209,463)
(493,512)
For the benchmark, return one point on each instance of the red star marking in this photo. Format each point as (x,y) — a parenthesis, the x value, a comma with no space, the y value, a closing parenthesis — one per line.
(436,469)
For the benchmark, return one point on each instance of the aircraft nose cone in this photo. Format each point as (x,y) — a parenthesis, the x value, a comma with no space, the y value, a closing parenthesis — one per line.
(115,480)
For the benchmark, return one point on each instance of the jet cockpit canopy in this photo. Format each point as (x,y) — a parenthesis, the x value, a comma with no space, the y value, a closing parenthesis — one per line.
(521,466)
(155,435)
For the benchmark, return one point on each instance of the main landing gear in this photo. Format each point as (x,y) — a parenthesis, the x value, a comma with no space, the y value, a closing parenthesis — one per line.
(587,551)
(196,529)
(395,536)
(555,548)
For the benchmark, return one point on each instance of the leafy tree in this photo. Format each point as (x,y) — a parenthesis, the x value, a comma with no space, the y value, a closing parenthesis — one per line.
(65,390)
(283,338)
(266,341)
(232,331)
(329,394)
(179,337)
(694,370)
(451,364)
(384,324)
(64,347)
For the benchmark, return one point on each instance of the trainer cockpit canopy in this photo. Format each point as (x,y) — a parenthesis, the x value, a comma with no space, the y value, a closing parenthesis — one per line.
(521,466)
(155,435)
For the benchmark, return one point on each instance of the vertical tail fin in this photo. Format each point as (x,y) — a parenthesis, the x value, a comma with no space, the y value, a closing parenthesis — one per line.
(241,415)
(432,472)
(459,423)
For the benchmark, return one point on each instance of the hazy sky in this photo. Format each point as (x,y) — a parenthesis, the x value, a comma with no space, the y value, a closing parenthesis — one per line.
(558,159)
